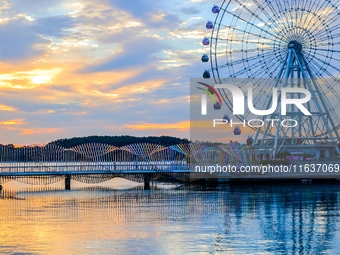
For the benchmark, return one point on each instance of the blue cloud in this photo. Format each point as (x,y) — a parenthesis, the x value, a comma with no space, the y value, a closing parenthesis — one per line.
(190,10)
(54,26)
(138,51)
(18,40)
(145,9)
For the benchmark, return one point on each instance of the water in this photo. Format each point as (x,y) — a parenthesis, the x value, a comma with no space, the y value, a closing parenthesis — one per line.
(231,219)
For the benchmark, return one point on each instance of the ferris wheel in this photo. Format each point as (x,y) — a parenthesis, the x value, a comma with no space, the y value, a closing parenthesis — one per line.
(279,43)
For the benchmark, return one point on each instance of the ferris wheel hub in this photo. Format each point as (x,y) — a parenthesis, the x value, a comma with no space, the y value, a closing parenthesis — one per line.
(295,45)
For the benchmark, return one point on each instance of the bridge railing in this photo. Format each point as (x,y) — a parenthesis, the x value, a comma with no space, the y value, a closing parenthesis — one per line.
(53,167)
(104,157)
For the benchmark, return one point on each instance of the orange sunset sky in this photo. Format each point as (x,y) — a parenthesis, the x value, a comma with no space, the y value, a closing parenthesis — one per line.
(103,67)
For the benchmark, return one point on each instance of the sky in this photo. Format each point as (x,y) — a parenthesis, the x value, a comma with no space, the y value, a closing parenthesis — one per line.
(103,67)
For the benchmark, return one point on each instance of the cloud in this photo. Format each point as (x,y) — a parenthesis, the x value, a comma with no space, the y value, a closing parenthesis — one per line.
(7,108)
(136,52)
(13,122)
(30,131)
(152,14)
(103,67)
(190,10)
(184,125)
(41,7)
(56,26)
(27,79)
(19,42)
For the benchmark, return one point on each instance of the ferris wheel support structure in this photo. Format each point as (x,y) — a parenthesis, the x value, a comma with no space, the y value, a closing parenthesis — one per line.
(295,62)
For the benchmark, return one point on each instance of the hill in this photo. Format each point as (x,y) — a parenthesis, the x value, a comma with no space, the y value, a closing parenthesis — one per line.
(119,140)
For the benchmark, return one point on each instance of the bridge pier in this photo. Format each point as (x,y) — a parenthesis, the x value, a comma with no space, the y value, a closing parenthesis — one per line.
(67,182)
(146,182)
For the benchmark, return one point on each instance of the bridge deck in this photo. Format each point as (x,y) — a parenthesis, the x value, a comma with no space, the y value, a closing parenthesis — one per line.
(90,172)
(69,168)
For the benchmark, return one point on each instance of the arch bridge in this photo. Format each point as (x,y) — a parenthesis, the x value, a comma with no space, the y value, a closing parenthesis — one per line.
(97,162)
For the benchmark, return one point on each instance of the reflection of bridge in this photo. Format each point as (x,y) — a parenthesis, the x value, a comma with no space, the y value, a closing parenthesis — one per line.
(95,163)
(268,219)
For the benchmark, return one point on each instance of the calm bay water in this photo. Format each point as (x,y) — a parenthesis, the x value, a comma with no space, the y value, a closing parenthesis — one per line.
(230,219)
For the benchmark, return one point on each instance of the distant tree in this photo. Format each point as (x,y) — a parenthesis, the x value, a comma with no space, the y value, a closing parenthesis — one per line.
(119,140)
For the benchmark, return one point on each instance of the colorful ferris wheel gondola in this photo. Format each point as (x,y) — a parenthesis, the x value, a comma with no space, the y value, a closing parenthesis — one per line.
(250,141)
(237,131)
(205,58)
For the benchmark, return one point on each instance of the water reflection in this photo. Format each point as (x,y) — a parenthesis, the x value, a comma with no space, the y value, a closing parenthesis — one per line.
(232,219)
(287,219)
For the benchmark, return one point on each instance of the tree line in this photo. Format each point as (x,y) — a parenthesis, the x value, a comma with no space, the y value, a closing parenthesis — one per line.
(119,140)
